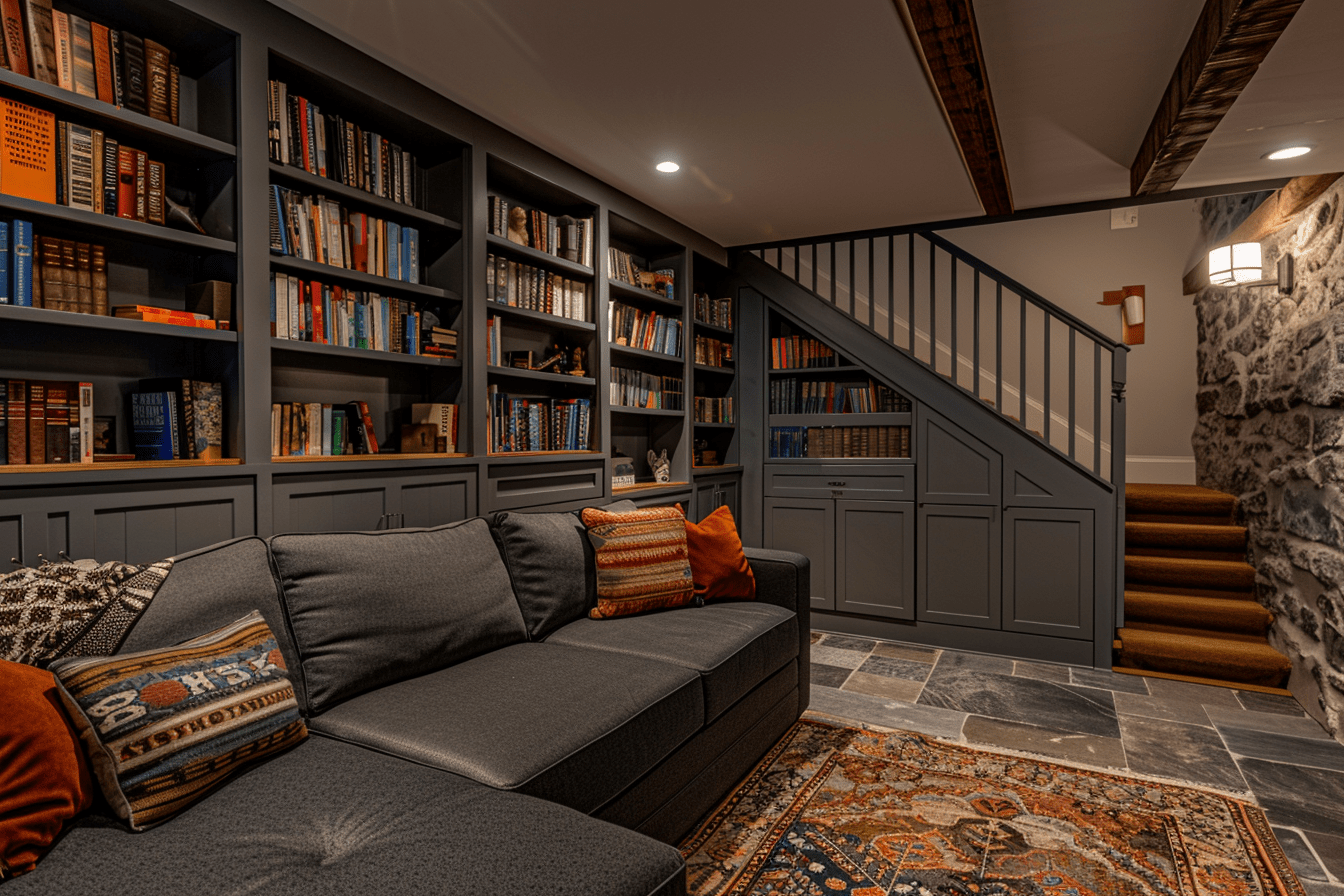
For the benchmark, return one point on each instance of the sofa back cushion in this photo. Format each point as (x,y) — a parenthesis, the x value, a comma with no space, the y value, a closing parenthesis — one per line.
(550,563)
(371,608)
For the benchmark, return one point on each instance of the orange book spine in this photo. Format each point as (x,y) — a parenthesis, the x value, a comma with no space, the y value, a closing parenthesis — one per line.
(102,60)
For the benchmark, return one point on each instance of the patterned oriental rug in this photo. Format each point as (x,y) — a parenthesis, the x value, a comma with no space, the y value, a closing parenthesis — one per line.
(833,811)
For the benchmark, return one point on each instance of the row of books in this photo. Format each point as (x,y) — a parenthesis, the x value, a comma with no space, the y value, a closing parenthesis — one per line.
(177,419)
(648,330)
(626,268)
(793,352)
(563,236)
(713,410)
(90,58)
(47,272)
(314,429)
(70,164)
(46,422)
(300,134)
(637,389)
(538,424)
(791,395)
(524,286)
(840,441)
(715,312)
(312,311)
(315,228)
(713,352)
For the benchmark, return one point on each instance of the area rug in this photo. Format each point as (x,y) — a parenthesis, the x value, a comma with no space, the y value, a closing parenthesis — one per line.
(862,812)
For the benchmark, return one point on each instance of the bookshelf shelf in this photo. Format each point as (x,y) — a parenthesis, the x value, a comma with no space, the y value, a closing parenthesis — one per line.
(699,424)
(887,419)
(397,211)
(324,272)
(842,370)
(102,226)
(151,132)
(359,354)
(540,376)
(713,329)
(617,349)
(646,412)
(501,246)
(621,291)
(712,370)
(716,469)
(113,324)
(78,469)
(523,316)
(648,489)
(381,457)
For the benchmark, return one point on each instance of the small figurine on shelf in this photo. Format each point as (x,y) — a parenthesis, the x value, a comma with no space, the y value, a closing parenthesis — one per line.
(576,362)
(558,362)
(662,467)
(518,226)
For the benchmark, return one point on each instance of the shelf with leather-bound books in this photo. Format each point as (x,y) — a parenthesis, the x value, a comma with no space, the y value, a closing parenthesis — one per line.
(713,347)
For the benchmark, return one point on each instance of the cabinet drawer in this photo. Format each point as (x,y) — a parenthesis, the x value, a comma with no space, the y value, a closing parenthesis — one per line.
(514,486)
(888,482)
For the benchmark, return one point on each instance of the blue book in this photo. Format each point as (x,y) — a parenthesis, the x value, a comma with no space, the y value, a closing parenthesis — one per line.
(152,429)
(394,250)
(4,264)
(21,266)
(410,265)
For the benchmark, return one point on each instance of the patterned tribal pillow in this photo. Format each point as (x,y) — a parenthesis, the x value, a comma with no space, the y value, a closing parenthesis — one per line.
(165,727)
(642,562)
(73,608)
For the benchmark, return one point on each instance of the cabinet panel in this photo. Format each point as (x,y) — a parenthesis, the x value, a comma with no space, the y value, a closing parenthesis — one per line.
(321,505)
(436,501)
(1047,571)
(513,486)
(711,494)
(875,558)
(955,467)
(884,482)
(807,526)
(959,567)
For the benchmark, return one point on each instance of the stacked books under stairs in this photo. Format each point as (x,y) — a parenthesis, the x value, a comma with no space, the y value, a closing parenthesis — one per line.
(1190,607)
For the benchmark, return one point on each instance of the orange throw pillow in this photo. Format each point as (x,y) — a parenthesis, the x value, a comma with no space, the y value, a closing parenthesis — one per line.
(718,565)
(641,560)
(44,777)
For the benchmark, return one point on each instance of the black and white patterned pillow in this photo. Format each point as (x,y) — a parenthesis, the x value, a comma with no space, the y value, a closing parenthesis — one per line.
(73,608)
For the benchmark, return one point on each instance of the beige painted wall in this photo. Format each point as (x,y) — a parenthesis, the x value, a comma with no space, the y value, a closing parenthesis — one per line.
(1070,260)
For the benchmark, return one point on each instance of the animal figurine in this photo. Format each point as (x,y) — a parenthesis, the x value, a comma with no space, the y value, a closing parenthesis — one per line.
(647,280)
(518,226)
(662,467)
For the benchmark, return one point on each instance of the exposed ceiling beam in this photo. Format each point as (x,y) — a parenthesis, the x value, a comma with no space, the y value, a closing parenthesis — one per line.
(1270,216)
(947,39)
(1230,40)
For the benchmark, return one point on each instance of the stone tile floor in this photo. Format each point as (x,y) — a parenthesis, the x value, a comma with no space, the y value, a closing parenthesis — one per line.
(1233,740)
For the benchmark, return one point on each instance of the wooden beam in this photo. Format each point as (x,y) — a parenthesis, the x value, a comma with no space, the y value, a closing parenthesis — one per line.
(1270,216)
(946,36)
(1230,40)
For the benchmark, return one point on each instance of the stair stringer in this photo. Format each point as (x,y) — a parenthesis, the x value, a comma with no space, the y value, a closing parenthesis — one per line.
(1055,481)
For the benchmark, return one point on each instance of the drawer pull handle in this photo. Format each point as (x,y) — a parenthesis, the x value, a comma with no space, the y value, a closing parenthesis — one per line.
(839,484)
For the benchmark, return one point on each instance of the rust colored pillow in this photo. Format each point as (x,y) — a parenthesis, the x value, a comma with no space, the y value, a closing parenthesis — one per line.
(44,777)
(641,560)
(718,564)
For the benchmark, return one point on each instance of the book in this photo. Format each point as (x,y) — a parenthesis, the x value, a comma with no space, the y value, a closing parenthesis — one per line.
(98,279)
(102,61)
(83,278)
(208,403)
(126,182)
(140,312)
(69,275)
(4,421)
(27,151)
(174,92)
(16,46)
(65,57)
(6,296)
(114,45)
(85,424)
(153,430)
(21,262)
(141,185)
(37,422)
(370,437)
(57,416)
(41,40)
(78,167)
(133,78)
(157,80)
(47,258)
(16,421)
(154,195)
(81,45)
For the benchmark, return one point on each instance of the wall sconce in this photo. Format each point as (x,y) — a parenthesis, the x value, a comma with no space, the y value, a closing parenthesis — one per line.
(1241,264)
(1131,302)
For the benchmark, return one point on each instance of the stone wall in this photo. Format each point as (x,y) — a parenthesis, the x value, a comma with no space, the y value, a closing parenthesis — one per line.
(1271,432)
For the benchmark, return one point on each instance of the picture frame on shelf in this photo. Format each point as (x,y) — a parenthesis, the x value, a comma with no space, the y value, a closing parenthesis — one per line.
(105,435)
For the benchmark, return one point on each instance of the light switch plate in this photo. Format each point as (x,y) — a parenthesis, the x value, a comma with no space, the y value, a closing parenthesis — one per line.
(1124,217)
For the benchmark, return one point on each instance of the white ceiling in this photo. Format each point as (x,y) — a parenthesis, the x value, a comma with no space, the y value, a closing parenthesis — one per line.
(794,118)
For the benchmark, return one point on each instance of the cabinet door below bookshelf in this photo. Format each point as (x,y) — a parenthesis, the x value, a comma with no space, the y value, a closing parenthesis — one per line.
(875,558)
(795,524)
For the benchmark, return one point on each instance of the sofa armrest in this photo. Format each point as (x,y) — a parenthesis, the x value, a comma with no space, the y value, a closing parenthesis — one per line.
(784,579)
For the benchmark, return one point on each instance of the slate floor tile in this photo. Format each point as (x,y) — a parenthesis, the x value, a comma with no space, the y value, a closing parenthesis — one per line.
(1277,747)
(998,695)
(834,656)
(1165,708)
(1299,726)
(828,676)
(1185,752)
(896,668)
(847,705)
(1041,671)
(1109,681)
(1319,888)
(884,686)
(1083,748)
(906,652)
(1307,798)
(1206,695)
(1330,850)
(847,642)
(975,662)
(1299,855)
(1275,703)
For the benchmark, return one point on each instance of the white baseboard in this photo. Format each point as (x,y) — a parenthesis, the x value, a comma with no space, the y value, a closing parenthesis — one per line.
(1175,470)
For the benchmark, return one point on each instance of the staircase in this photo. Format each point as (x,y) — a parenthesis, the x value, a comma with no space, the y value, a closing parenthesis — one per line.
(1190,608)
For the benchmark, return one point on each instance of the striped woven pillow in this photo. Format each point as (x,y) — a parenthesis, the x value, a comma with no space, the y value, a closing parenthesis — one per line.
(642,562)
(165,727)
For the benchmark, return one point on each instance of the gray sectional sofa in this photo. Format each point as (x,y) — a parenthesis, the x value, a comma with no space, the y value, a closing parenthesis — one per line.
(471,730)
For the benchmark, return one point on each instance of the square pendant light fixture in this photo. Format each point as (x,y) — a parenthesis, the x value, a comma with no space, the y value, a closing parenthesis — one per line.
(1235,264)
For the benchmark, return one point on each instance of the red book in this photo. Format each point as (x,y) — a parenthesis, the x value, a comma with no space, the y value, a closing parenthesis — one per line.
(102,60)
(370,437)
(319,332)
(37,423)
(16,47)
(141,185)
(303,134)
(126,182)
(359,241)
(16,421)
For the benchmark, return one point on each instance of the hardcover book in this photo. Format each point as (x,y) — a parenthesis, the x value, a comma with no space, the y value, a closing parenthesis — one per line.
(27,151)
(81,44)
(133,79)
(102,61)
(16,46)
(37,422)
(157,78)
(98,278)
(208,406)
(57,401)
(41,40)
(21,262)
(60,26)
(153,433)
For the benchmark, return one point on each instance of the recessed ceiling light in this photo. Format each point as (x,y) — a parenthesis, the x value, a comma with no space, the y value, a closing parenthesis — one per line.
(1288,152)
(668,167)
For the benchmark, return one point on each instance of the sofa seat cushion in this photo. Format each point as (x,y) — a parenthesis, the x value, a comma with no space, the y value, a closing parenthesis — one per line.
(333,818)
(733,645)
(568,724)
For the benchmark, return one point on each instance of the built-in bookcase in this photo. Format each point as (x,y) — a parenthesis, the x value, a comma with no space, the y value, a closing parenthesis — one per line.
(146,263)
(356,326)
(715,408)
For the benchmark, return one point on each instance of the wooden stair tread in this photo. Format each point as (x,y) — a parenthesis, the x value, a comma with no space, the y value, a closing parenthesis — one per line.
(1188,536)
(1193,573)
(1180,500)
(1210,613)
(1203,656)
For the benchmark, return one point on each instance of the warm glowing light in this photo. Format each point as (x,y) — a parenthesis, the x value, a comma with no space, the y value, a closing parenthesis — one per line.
(668,167)
(1288,152)
(1237,263)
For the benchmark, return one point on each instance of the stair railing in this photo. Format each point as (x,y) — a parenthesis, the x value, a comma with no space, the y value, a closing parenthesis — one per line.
(1046,371)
